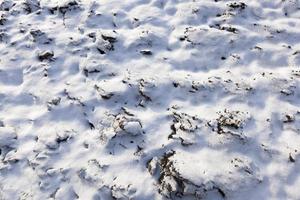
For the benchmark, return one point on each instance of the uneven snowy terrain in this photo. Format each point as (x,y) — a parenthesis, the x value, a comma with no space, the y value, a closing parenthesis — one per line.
(149,99)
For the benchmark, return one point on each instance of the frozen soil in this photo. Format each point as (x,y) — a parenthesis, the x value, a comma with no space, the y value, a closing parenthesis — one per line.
(149,99)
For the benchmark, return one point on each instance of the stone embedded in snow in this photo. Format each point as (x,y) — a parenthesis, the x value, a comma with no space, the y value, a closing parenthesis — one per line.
(152,165)
(3,19)
(132,127)
(66,192)
(287,91)
(69,5)
(6,5)
(31,6)
(146,52)
(105,42)
(197,173)
(45,55)
(40,37)
(8,136)
(104,46)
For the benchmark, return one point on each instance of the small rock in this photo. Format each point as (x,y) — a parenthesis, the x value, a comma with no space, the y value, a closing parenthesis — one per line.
(55,101)
(68,6)
(111,39)
(152,165)
(288,119)
(132,127)
(46,55)
(31,6)
(40,37)
(291,158)
(2,20)
(146,52)
(287,92)
(105,43)
(6,5)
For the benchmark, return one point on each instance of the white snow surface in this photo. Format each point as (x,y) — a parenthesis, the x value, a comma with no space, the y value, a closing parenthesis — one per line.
(149,99)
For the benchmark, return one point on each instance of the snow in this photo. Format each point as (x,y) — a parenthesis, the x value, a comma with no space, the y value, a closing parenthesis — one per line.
(149,99)
(7,136)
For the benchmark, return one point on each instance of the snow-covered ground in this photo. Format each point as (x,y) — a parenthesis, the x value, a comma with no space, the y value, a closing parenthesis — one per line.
(149,99)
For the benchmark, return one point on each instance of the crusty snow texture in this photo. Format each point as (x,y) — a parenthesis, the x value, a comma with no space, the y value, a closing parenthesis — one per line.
(149,99)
